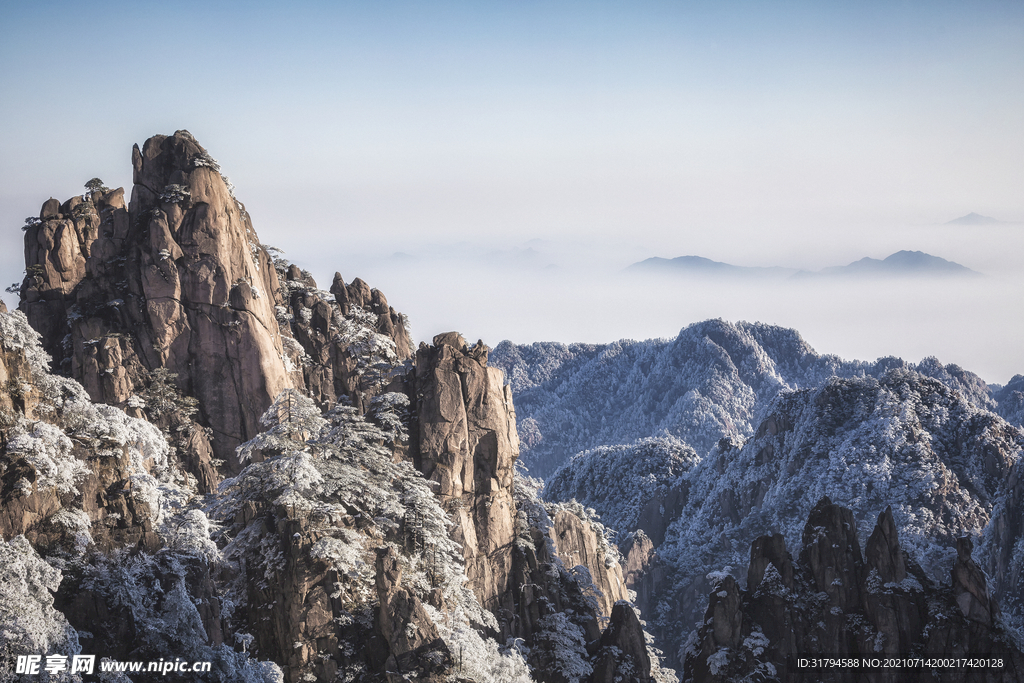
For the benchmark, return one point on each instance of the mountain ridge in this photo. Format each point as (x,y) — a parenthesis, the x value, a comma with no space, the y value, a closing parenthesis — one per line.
(709,382)
(903,263)
(974,219)
(946,467)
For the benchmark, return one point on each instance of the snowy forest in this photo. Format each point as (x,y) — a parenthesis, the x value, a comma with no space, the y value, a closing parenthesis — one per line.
(205,456)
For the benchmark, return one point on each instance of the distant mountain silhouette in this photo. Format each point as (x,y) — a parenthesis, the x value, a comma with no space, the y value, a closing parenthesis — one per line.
(974,219)
(900,264)
(698,265)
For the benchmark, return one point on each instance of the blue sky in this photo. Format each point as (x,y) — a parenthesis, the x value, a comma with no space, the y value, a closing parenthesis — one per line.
(803,134)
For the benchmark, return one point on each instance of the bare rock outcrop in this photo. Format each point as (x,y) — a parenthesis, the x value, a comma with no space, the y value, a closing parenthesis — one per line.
(292,617)
(623,656)
(577,543)
(1003,539)
(883,553)
(834,602)
(467,443)
(638,551)
(346,346)
(971,587)
(389,322)
(549,602)
(414,646)
(177,281)
(831,554)
(550,580)
(769,550)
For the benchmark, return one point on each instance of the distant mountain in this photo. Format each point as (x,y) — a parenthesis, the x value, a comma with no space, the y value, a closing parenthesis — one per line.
(946,467)
(974,219)
(900,264)
(698,265)
(710,382)
(693,447)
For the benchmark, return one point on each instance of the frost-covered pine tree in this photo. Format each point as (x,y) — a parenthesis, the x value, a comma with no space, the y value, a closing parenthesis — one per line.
(337,474)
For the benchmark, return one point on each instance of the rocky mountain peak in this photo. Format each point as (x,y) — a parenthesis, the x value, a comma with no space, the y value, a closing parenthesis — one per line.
(831,552)
(373,529)
(883,553)
(468,445)
(175,281)
(178,282)
(836,603)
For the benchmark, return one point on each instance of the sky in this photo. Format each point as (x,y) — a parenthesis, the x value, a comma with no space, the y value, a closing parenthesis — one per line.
(493,166)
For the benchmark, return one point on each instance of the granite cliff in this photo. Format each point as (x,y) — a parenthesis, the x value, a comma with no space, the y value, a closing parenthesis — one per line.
(177,281)
(310,497)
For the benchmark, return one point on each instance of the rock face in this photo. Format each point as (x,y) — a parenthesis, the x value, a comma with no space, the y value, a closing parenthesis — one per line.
(577,544)
(624,654)
(468,445)
(414,646)
(834,601)
(971,588)
(176,280)
(1002,560)
(207,288)
(179,281)
(639,553)
(550,580)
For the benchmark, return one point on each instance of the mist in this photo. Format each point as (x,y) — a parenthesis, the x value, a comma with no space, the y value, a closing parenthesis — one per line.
(574,288)
(519,157)
(578,291)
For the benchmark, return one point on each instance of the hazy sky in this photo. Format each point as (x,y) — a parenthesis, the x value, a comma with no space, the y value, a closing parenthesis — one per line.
(804,134)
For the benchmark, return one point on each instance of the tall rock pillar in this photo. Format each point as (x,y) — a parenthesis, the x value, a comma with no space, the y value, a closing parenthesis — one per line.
(468,445)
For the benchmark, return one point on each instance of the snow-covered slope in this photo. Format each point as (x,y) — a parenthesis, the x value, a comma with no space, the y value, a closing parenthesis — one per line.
(710,382)
(625,483)
(947,468)
(99,511)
